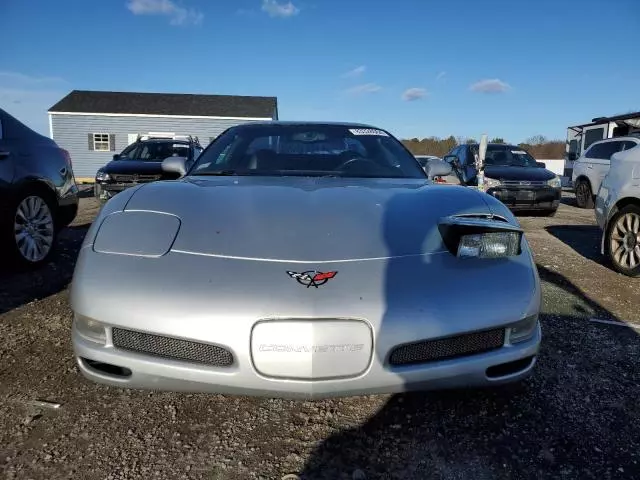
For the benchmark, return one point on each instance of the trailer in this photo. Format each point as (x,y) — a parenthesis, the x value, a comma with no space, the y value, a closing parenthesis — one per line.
(580,137)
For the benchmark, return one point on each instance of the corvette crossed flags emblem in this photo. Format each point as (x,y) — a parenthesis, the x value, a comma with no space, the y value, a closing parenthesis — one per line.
(312,278)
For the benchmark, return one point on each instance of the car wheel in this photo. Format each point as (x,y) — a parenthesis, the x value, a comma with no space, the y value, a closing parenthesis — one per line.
(30,233)
(623,241)
(584,195)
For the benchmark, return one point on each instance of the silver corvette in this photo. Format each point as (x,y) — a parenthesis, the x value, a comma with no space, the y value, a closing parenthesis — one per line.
(305,260)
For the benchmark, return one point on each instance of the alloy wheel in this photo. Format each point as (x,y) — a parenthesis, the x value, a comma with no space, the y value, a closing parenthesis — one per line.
(33,228)
(583,193)
(625,241)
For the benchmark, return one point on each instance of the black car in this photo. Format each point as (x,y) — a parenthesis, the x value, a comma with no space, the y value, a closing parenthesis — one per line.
(38,193)
(141,162)
(511,175)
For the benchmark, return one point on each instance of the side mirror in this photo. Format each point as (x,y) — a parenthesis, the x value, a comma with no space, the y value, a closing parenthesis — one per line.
(572,156)
(175,165)
(438,168)
(541,165)
(116,156)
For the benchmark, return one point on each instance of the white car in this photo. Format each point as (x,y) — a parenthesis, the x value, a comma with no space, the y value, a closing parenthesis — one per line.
(617,210)
(593,165)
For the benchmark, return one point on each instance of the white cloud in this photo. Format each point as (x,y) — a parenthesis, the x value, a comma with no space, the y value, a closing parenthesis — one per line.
(412,94)
(283,10)
(440,75)
(364,89)
(490,86)
(356,72)
(178,15)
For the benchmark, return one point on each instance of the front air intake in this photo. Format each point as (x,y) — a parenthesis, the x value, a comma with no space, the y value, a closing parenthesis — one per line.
(172,348)
(447,348)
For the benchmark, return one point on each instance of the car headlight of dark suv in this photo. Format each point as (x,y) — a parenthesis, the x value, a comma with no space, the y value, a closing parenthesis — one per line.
(102,176)
(554,182)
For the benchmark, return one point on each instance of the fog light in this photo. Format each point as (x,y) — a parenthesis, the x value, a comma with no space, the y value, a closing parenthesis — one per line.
(489,245)
(522,330)
(90,329)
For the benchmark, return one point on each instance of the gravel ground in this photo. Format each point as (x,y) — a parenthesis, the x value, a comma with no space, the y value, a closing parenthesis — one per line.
(577,417)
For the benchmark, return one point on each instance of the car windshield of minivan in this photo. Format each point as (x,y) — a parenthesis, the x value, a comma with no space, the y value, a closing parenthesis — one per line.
(308,150)
(509,157)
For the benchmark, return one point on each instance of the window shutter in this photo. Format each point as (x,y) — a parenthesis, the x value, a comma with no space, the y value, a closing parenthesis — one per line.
(112,142)
(90,141)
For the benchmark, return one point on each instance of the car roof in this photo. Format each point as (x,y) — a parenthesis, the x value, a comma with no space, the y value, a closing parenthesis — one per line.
(505,145)
(307,123)
(617,139)
(166,140)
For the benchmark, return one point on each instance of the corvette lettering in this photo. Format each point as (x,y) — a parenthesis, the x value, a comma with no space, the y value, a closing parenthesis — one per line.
(297,348)
(312,278)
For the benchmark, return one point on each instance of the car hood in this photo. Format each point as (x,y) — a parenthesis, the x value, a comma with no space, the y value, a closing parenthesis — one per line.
(133,166)
(307,219)
(500,172)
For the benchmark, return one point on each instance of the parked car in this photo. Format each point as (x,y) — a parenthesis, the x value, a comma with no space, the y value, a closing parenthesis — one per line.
(425,160)
(38,193)
(617,210)
(511,175)
(141,162)
(593,165)
(270,269)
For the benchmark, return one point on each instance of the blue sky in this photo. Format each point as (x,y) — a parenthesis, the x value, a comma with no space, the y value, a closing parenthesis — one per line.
(419,68)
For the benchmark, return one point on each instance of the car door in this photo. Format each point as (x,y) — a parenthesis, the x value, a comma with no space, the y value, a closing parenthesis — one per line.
(7,164)
(601,162)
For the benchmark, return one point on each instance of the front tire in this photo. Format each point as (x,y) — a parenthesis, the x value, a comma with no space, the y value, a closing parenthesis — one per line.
(30,232)
(584,195)
(622,242)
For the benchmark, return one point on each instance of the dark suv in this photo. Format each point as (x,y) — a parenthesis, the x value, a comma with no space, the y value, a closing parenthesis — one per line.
(511,175)
(38,193)
(141,162)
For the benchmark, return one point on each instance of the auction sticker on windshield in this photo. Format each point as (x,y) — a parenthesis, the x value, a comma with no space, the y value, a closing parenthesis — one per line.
(368,131)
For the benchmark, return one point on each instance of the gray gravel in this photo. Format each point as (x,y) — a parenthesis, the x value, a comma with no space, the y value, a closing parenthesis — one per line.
(577,417)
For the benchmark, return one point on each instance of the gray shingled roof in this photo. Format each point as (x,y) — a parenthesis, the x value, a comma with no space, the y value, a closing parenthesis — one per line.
(83,101)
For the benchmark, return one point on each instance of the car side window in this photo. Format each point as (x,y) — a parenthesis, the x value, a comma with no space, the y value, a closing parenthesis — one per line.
(129,152)
(463,155)
(609,148)
(1,131)
(627,144)
(594,151)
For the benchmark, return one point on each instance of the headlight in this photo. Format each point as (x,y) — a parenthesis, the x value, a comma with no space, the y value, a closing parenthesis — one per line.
(90,329)
(489,245)
(555,182)
(102,176)
(523,330)
(491,182)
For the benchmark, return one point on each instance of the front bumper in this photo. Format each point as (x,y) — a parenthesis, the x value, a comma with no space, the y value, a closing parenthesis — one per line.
(103,191)
(515,362)
(522,198)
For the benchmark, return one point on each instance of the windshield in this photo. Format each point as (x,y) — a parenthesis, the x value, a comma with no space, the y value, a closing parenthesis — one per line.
(509,156)
(158,151)
(307,150)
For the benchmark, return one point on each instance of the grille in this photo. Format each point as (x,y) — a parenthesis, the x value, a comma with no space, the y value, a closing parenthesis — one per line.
(173,348)
(135,178)
(447,348)
(526,184)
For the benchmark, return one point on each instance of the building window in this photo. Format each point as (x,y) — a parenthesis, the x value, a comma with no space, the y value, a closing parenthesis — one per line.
(101,142)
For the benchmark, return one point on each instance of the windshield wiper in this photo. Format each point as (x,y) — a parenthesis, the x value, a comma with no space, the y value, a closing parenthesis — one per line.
(218,173)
